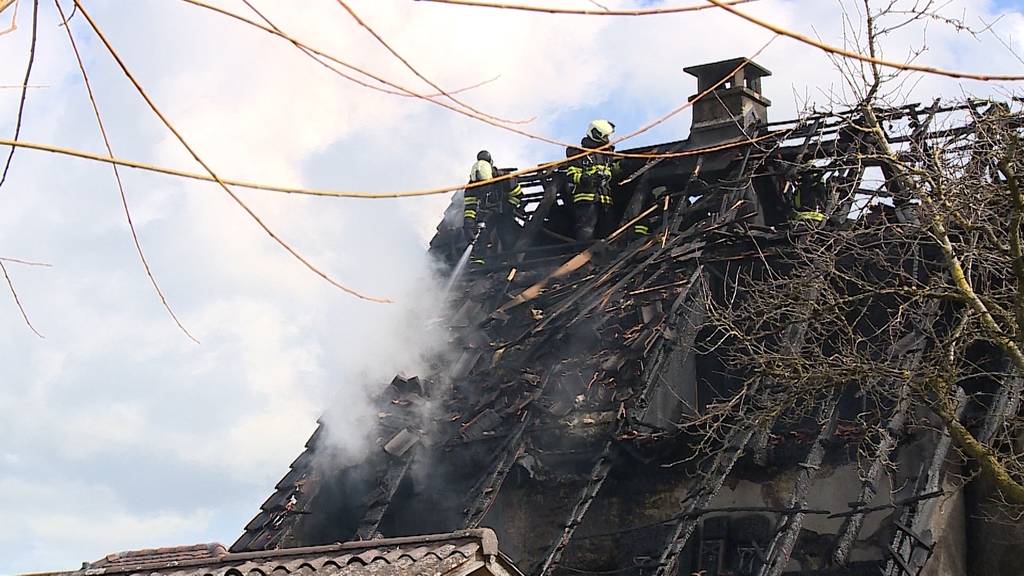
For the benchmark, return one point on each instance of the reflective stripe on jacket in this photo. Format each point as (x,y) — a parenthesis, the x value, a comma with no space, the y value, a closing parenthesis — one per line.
(515,196)
(590,197)
(582,178)
(470,203)
(809,215)
(584,173)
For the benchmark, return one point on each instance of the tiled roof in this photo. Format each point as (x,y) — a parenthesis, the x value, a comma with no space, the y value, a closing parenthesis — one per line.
(176,554)
(435,555)
(291,496)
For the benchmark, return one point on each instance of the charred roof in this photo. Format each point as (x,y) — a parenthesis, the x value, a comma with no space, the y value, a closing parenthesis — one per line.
(570,415)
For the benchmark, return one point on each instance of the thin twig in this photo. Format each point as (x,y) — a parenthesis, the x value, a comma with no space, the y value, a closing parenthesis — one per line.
(24,89)
(17,301)
(319,59)
(581,12)
(606,149)
(863,57)
(25,262)
(117,175)
(152,106)
(413,69)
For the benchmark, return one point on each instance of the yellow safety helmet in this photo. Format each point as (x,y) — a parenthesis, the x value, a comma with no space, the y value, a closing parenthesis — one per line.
(600,130)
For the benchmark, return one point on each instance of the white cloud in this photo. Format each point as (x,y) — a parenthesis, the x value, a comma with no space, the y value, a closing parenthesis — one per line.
(116,428)
(116,419)
(118,529)
(60,517)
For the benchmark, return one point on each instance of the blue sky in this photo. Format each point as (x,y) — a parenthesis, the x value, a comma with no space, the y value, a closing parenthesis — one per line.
(116,431)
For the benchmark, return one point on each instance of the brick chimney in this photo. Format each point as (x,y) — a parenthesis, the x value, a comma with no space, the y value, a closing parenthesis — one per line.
(733,109)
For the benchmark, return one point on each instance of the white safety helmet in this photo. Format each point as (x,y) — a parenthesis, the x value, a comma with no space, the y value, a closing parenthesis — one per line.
(600,130)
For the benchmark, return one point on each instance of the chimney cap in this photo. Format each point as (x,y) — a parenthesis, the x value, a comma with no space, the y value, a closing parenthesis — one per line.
(721,68)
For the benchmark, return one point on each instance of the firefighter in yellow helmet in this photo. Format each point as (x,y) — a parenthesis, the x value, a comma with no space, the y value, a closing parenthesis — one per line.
(483,169)
(493,204)
(591,179)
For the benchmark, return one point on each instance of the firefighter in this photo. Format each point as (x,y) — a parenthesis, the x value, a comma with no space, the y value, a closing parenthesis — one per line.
(645,198)
(494,204)
(482,170)
(808,198)
(508,195)
(591,178)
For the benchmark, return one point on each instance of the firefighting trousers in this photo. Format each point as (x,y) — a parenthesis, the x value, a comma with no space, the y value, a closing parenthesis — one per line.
(592,220)
(501,235)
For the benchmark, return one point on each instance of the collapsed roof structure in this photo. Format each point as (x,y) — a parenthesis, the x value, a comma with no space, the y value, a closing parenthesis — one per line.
(581,416)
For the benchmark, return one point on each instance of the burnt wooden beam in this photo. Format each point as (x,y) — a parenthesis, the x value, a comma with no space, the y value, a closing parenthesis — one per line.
(486,492)
(1006,403)
(781,548)
(694,317)
(915,515)
(598,474)
(698,499)
(713,480)
(671,149)
(397,467)
(603,465)
(850,530)
(536,220)
(889,437)
(861,509)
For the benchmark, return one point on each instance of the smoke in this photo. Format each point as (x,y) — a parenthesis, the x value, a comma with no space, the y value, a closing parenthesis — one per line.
(405,338)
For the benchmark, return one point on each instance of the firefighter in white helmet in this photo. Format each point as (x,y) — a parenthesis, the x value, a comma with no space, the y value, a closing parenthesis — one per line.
(591,178)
